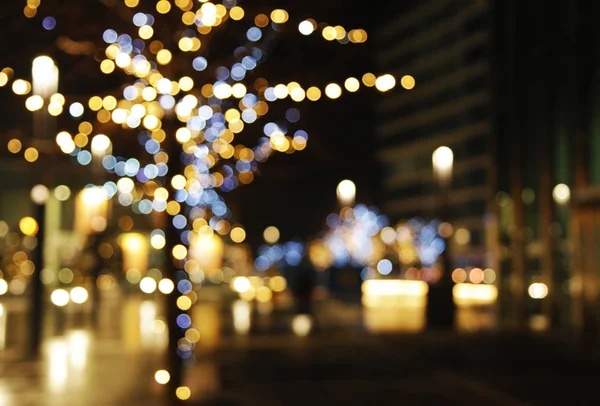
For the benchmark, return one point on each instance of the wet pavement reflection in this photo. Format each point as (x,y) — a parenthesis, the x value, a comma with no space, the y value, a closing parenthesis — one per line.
(112,359)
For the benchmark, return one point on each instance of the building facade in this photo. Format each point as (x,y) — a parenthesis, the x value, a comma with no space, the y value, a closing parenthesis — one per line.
(512,88)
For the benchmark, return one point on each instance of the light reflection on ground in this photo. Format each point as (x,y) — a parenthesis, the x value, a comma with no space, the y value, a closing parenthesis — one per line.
(131,336)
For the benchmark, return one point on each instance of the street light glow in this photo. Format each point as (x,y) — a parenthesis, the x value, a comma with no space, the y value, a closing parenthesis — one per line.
(561,194)
(79,295)
(346,192)
(538,290)
(60,297)
(40,194)
(443,160)
(45,76)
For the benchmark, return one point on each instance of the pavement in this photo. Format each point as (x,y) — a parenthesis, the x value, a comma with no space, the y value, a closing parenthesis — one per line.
(423,369)
(250,357)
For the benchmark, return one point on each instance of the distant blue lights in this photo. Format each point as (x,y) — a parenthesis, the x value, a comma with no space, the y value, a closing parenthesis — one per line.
(254,34)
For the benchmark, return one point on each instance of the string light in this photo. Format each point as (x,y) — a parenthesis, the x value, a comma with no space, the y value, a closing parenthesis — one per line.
(210,116)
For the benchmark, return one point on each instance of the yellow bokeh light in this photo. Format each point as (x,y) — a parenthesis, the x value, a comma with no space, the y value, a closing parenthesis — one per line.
(164,56)
(186,44)
(162,376)
(132,3)
(183,4)
(333,90)
(62,193)
(59,297)
(240,284)
(237,234)
(538,290)
(95,103)
(63,137)
(161,194)
(313,93)
(184,303)
(85,128)
(55,109)
(271,234)
(57,98)
(31,154)
(109,103)
(107,66)
(222,91)
(369,79)
(173,208)
(146,32)
(149,94)
(340,32)
(123,60)
(158,241)
(21,87)
(385,82)
(186,83)
(188,18)
(178,181)
(236,13)
(166,286)
(357,36)
(119,116)
(306,27)
(407,82)
(28,226)
(238,90)
(179,252)
(29,12)
(196,44)
(281,91)
(279,16)
(112,51)
(163,6)
(232,114)
(278,284)
(183,135)
(151,122)
(148,285)
(298,94)
(352,84)
(34,103)
(81,140)
(3,79)
(183,393)
(264,294)
(329,33)
(462,236)
(15,146)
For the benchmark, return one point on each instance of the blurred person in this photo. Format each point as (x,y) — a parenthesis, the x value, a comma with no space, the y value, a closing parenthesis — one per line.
(303,279)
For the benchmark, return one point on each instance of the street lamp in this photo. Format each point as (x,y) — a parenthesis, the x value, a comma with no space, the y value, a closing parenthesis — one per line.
(45,83)
(440,301)
(346,193)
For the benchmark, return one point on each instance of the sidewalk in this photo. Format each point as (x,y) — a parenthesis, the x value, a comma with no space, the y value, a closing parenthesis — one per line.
(264,363)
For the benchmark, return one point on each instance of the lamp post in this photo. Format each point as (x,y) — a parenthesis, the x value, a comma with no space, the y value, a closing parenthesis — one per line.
(45,83)
(39,195)
(440,301)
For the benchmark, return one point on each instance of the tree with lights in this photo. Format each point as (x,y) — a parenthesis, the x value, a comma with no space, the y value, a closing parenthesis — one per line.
(188,102)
